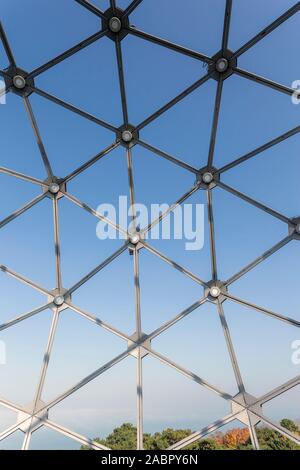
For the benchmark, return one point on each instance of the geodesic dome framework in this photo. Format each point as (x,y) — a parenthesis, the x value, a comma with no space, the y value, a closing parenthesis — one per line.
(116,25)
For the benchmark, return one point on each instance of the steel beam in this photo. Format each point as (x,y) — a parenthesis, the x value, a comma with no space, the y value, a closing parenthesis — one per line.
(174,101)
(168,157)
(65,55)
(226,26)
(170,45)
(254,202)
(266,311)
(271,27)
(264,81)
(260,149)
(6,46)
(21,210)
(38,136)
(74,109)
(92,8)
(260,259)
(90,162)
(131,7)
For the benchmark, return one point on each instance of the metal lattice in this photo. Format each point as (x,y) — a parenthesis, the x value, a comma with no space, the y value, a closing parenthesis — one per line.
(116,25)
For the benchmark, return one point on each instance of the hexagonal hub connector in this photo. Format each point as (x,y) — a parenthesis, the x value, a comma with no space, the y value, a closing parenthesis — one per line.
(222,65)
(128,135)
(29,423)
(59,297)
(244,404)
(115,23)
(207,178)
(18,81)
(215,291)
(135,241)
(294,228)
(139,349)
(53,187)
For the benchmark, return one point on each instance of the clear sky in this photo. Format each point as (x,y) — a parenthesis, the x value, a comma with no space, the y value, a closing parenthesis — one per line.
(251,115)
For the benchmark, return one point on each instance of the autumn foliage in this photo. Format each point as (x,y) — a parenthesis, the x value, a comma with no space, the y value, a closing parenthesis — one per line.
(235,438)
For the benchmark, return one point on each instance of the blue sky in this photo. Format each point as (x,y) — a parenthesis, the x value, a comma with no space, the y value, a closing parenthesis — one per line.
(251,114)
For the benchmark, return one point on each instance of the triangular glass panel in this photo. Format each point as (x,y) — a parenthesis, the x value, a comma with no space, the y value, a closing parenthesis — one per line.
(242,232)
(104,404)
(89,84)
(273,283)
(163,300)
(259,339)
(80,347)
(174,401)
(48,439)
(70,140)
(104,182)
(47,27)
(20,244)
(202,351)
(158,77)
(25,344)
(184,130)
(7,419)
(249,18)
(110,294)
(158,181)
(13,442)
(284,409)
(284,71)
(19,150)
(17,298)
(14,194)
(82,250)
(176,21)
(251,115)
(272,188)
(187,241)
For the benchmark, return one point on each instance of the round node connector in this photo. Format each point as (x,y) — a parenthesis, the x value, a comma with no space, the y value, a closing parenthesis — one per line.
(127,136)
(19,82)
(54,188)
(134,238)
(59,300)
(215,292)
(222,65)
(297,228)
(207,177)
(115,24)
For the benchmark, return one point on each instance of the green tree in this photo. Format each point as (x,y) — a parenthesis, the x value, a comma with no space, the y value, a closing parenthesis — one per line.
(290,425)
(270,439)
(166,438)
(124,438)
(207,444)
